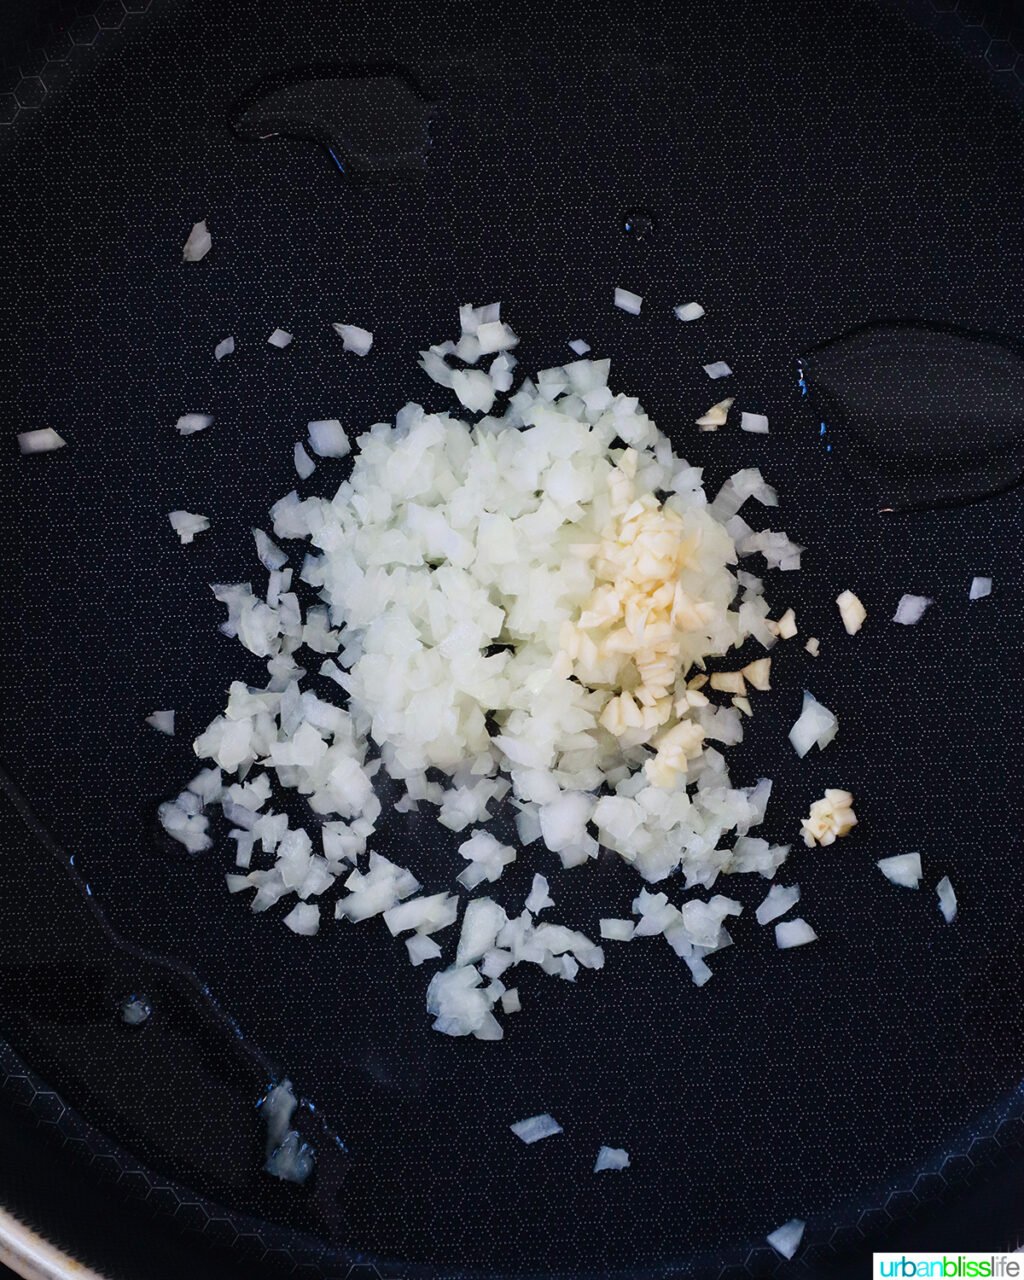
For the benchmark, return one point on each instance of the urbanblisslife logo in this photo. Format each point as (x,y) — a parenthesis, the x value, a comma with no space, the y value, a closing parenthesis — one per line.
(947,1266)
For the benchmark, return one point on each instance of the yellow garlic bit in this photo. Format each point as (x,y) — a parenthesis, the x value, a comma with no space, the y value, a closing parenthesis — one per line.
(830,817)
(627,637)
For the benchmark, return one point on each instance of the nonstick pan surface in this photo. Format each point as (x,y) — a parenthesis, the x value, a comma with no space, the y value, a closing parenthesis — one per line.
(808,168)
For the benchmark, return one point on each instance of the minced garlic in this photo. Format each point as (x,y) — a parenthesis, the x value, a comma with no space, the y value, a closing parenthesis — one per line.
(829,818)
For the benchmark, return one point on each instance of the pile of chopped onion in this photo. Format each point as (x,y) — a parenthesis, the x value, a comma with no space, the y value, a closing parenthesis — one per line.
(517,609)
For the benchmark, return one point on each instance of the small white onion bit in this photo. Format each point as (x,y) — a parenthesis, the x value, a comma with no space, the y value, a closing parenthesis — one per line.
(535,1128)
(327,438)
(186,525)
(688,311)
(189,423)
(358,341)
(947,899)
(793,933)
(198,244)
(626,301)
(42,440)
(903,869)
(786,1239)
(611,1158)
(910,609)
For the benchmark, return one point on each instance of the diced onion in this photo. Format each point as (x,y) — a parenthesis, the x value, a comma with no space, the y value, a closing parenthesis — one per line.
(163,721)
(510,1002)
(947,899)
(535,1128)
(911,609)
(815,725)
(304,919)
(793,933)
(617,930)
(198,244)
(786,1239)
(186,525)
(304,464)
(716,416)
(41,440)
(688,311)
(358,341)
(902,869)
(421,948)
(626,301)
(189,423)
(611,1158)
(780,899)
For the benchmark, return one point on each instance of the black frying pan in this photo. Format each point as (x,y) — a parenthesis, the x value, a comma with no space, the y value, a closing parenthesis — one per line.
(808,167)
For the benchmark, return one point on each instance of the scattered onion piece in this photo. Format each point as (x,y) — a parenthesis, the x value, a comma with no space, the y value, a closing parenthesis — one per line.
(304,919)
(688,311)
(903,869)
(794,933)
(716,416)
(327,438)
(786,1239)
(617,930)
(755,423)
(163,721)
(815,725)
(226,347)
(186,525)
(42,440)
(304,464)
(579,346)
(757,673)
(198,244)
(813,646)
(626,301)
(421,948)
(510,1002)
(947,899)
(358,341)
(535,1128)
(189,423)
(729,682)
(785,628)
(910,609)
(780,899)
(614,1159)
(980,588)
(280,339)
(717,369)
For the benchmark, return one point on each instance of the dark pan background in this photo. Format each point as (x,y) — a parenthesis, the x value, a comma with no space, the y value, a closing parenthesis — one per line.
(810,166)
